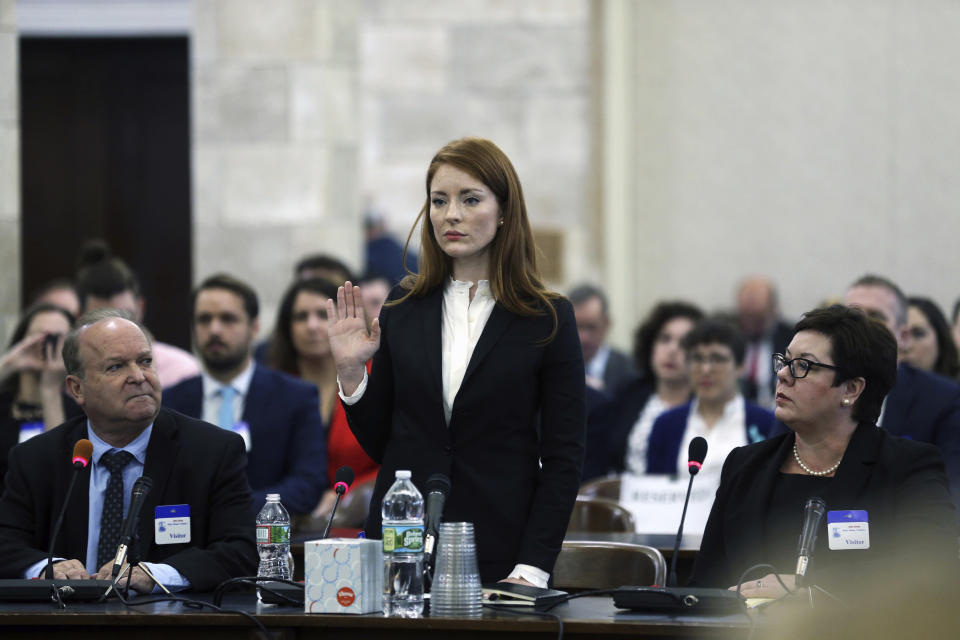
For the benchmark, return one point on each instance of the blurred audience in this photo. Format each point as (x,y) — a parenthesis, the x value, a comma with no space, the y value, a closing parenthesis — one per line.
(277,415)
(718,412)
(607,368)
(920,406)
(384,254)
(321,265)
(300,346)
(107,282)
(60,292)
(930,345)
(766,333)
(33,398)
(618,442)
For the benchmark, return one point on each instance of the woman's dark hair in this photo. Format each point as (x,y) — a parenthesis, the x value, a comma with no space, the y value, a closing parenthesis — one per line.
(861,347)
(717,330)
(650,328)
(281,354)
(12,384)
(948,361)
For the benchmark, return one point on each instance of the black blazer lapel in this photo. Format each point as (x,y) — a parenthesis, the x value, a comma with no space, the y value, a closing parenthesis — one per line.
(431,314)
(498,322)
(161,452)
(854,472)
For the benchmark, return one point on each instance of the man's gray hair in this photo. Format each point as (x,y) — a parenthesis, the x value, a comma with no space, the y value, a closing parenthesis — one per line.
(71,344)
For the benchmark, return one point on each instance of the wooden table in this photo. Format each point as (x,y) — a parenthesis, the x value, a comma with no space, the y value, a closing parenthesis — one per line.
(589,617)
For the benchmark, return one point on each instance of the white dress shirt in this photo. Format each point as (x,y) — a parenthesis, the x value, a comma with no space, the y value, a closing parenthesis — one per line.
(728,433)
(463,321)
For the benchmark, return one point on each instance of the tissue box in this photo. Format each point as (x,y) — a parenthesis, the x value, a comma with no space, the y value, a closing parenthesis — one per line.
(343,575)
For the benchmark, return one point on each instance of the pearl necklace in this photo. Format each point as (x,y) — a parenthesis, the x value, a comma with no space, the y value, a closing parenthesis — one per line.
(825,472)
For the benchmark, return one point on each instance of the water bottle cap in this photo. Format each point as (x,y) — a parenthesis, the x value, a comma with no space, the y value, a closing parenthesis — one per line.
(273,497)
(403,474)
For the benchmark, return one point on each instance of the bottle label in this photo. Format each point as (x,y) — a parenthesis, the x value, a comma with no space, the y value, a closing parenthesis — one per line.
(273,533)
(403,539)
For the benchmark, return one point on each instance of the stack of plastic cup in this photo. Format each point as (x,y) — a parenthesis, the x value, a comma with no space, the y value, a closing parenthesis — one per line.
(456,588)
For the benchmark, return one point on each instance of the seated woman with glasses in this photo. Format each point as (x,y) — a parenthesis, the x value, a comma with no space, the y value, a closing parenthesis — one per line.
(887,498)
(718,412)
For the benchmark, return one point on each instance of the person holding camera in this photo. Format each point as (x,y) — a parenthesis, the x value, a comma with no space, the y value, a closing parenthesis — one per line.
(32,398)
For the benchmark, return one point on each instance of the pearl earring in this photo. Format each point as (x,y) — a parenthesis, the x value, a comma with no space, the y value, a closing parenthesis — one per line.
(846,402)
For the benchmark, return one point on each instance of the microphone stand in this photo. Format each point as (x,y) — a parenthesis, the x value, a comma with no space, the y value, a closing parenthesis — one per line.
(672,578)
(48,570)
(333,512)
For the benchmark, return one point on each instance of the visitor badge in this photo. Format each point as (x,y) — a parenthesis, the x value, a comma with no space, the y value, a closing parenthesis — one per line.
(30,429)
(242,429)
(848,530)
(171,524)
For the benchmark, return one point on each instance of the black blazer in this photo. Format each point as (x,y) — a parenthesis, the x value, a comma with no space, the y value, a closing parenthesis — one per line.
(189,461)
(926,407)
(901,484)
(521,404)
(288,450)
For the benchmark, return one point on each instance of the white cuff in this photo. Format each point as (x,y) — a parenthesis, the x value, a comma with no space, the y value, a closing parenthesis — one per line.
(537,577)
(348,400)
(168,577)
(36,569)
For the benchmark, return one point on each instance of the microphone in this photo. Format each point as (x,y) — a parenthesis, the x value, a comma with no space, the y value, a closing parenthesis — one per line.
(696,453)
(137,497)
(812,515)
(438,486)
(82,452)
(342,480)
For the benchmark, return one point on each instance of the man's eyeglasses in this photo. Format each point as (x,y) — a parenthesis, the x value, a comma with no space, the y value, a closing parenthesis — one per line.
(799,367)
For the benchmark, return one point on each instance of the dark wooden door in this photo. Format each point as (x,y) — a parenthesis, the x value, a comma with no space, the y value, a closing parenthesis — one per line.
(105,153)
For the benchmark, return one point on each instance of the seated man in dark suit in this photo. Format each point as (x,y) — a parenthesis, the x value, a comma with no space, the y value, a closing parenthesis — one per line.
(758,315)
(111,375)
(277,415)
(607,369)
(920,406)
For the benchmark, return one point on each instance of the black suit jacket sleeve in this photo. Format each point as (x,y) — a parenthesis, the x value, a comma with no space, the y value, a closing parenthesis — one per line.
(562,436)
(190,462)
(900,483)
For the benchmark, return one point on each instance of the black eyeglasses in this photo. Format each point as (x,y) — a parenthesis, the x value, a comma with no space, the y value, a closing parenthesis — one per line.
(799,367)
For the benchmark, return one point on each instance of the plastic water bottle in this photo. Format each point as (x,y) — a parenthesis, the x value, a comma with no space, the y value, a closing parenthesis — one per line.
(273,540)
(403,549)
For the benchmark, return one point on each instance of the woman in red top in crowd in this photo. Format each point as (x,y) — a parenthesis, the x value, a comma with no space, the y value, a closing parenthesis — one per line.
(300,347)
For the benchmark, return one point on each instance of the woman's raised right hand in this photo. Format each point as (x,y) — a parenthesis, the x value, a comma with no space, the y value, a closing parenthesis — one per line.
(351,343)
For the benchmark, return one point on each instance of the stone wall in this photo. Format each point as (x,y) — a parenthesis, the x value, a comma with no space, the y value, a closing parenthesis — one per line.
(9,169)
(518,73)
(812,142)
(275,138)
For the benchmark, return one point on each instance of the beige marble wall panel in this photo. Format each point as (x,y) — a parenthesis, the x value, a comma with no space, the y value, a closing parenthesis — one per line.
(335,31)
(243,104)
(324,105)
(8,14)
(521,59)
(401,58)
(252,30)
(8,85)
(9,173)
(10,262)
(925,194)
(479,11)
(273,186)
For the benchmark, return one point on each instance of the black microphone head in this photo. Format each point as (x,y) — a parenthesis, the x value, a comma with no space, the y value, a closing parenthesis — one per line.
(142,485)
(817,505)
(438,483)
(345,475)
(696,454)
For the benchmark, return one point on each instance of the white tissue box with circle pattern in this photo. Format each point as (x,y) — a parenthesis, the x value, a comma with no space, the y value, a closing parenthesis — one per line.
(343,575)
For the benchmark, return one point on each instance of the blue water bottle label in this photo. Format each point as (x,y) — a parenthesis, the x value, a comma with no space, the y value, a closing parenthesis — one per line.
(403,539)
